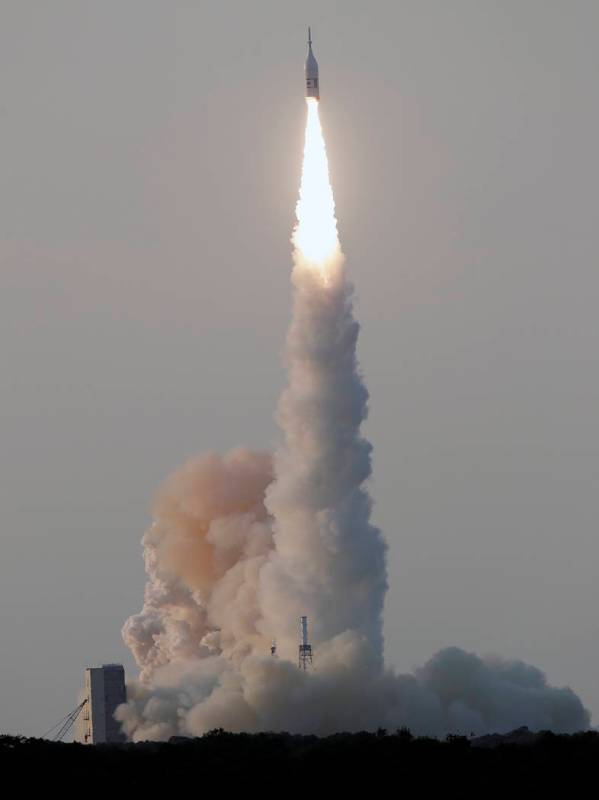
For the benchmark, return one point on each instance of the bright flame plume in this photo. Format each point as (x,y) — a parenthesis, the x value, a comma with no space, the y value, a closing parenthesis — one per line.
(315,235)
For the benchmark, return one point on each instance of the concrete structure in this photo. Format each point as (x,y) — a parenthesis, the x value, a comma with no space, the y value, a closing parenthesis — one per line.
(104,691)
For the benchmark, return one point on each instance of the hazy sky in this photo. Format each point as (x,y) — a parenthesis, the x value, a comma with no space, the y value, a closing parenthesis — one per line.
(149,165)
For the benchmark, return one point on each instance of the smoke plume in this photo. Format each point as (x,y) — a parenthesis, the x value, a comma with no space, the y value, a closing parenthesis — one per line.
(244,544)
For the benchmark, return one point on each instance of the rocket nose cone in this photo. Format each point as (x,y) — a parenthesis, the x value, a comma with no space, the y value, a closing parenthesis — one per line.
(311,63)
(312,88)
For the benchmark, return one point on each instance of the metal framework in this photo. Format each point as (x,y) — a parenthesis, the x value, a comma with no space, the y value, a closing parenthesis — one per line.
(65,724)
(305,649)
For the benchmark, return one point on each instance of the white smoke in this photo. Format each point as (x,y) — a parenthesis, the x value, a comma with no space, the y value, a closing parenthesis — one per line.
(243,545)
(240,548)
(328,561)
(455,692)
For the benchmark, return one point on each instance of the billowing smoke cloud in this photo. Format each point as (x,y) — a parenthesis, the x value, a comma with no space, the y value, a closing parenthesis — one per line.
(209,539)
(243,545)
(240,547)
(455,692)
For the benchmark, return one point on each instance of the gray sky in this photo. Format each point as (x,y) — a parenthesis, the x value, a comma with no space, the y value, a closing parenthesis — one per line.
(149,165)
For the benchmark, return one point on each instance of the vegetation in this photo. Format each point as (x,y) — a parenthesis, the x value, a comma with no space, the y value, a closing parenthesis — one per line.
(282,764)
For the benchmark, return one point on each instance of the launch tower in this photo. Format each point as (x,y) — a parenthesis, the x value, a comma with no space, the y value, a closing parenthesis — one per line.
(305,649)
(104,691)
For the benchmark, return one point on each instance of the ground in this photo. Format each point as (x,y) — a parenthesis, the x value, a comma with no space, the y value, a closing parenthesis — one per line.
(517,765)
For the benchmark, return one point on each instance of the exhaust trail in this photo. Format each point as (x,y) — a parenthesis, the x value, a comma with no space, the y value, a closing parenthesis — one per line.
(328,560)
(243,545)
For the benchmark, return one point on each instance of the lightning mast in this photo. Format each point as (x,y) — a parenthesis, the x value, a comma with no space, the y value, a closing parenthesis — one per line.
(305,649)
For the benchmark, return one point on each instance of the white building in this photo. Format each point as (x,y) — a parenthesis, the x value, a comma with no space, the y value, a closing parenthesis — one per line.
(104,691)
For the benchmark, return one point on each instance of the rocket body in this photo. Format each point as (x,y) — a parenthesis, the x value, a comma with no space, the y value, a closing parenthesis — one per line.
(312,85)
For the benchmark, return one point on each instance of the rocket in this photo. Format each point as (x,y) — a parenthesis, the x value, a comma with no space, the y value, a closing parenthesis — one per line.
(312,88)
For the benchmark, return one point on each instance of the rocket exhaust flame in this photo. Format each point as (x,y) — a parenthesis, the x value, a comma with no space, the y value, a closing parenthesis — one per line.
(243,545)
(315,235)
